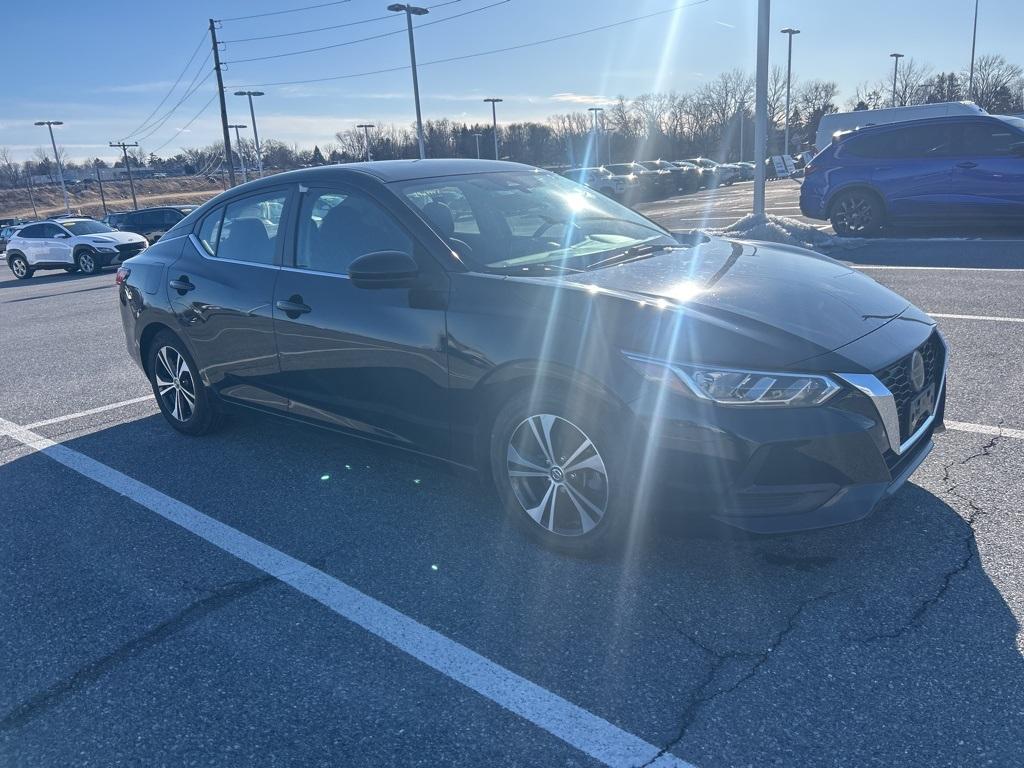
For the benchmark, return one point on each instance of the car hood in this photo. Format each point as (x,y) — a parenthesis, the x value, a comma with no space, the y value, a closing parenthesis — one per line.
(116,237)
(789,303)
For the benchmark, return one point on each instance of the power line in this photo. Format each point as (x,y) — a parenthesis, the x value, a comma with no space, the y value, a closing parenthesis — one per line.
(167,95)
(399,31)
(463,57)
(286,10)
(186,125)
(193,87)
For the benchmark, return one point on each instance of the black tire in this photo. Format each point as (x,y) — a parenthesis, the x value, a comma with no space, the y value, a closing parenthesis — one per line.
(19,266)
(199,416)
(856,213)
(560,523)
(88,263)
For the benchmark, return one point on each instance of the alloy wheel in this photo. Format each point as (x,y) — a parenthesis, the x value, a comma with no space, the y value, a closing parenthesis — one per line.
(175,385)
(87,263)
(557,475)
(855,213)
(19,268)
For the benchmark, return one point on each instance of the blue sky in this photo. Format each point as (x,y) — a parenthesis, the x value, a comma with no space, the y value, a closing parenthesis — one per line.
(102,67)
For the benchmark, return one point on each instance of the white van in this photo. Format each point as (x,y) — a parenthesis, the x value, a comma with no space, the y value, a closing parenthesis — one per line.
(847,121)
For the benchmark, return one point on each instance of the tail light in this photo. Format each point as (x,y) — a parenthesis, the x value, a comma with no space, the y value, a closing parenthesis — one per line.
(122,275)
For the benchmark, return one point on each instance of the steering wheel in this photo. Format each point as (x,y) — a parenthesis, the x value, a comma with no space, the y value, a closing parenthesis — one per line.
(575,231)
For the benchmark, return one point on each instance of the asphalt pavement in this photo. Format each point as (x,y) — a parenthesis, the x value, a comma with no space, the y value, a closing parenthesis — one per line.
(278,595)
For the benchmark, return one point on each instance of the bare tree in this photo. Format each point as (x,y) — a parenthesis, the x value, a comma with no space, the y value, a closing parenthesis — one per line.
(997,84)
(912,79)
(777,94)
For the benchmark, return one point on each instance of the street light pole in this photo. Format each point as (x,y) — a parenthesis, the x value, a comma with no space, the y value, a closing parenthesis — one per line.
(789,74)
(366,132)
(238,148)
(60,168)
(974,39)
(597,133)
(494,123)
(895,68)
(477,137)
(410,11)
(255,133)
(99,178)
(761,104)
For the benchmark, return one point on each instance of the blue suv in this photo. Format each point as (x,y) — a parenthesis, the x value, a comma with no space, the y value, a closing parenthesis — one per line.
(946,169)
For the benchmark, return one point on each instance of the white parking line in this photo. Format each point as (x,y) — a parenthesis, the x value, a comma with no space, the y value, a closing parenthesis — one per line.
(985,429)
(996,318)
(572,724)
(90,412)
(936,269)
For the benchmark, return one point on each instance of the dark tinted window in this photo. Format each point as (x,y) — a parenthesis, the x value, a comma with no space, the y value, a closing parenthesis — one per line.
(336,227)
(920,141)
(209,230)
(32,231)
(51,230)
(250,227)
(989,139)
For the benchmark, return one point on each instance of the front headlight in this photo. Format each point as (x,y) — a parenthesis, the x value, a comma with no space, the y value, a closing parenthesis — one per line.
(732,386)
(106,249)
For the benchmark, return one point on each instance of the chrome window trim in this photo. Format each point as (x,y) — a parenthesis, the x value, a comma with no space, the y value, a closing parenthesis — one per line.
(303,271)
(198,245)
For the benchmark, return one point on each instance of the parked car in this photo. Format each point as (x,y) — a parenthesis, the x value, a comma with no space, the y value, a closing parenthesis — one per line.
(615,186)
(574,352)
(683,179)
(861,118)
(713,174)
(71,244)
(6,233)
(653,184)
(944,170)
(746,170)
(693,174)
(151,223)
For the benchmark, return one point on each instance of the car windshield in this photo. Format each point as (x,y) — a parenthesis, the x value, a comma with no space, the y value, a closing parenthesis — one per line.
(86,227)
(519,221)
(1016,122)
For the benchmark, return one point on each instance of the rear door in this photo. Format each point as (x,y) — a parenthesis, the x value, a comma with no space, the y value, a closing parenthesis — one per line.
(914,170)
(30,242)
(369,361)
(222,290)
(988,178)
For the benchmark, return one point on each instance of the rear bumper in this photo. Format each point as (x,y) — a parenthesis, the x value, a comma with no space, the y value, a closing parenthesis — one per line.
(812,203)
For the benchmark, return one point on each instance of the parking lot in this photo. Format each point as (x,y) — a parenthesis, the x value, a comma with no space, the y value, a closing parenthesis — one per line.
(275,594)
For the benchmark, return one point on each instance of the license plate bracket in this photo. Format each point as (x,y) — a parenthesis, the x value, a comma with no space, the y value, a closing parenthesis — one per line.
(921,407)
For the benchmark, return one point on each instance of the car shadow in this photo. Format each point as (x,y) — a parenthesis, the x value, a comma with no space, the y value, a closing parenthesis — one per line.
(936,252)
(883,641)
(50,278)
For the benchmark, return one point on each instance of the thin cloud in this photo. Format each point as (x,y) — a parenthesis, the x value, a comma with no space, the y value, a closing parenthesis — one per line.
(569,97)
(725,24)
(156,85)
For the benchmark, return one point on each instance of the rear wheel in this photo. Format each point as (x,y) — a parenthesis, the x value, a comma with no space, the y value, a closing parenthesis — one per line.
(857,213)
(184,400)
(87,262)
(19,266)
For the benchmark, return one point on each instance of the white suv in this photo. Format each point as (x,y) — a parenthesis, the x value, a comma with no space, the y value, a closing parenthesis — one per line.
(71,244)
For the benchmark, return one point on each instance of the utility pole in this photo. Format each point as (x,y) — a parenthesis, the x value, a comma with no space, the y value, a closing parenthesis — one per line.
(597,133)
(255,133)
(789,75)
(128,166)
(99,178)
(974,39)
(56,157)
(32,195)
(895,68)
(494,123)
(477,137)
(366,133)
(238,148)
(223,104)
(743,113)
(410,11)
(761,104)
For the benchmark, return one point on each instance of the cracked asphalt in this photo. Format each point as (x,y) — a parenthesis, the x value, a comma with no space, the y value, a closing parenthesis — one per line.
(894,641)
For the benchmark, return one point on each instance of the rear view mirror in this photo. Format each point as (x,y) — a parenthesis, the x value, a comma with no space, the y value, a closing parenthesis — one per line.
(384,269)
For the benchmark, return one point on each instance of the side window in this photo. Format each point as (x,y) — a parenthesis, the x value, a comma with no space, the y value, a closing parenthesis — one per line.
(36,230)
(249,230)
(888,144)
(447,210)
(170,217)
(209,230)
(928,141)
(51,230)
(335,228)
(988,140)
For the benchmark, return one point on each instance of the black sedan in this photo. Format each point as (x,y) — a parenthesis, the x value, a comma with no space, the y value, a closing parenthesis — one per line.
(508,320)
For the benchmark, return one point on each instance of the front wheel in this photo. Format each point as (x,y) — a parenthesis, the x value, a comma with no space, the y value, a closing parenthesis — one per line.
(184,400)
(558,473)
(88,263)
(856,214)
(19,266)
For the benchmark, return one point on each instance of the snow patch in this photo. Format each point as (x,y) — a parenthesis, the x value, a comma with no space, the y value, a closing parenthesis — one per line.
(779,229)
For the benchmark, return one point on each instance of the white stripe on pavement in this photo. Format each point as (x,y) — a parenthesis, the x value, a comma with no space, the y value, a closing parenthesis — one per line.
(90,412)
(979,317)
(985,429)
(572,724)
(937,269)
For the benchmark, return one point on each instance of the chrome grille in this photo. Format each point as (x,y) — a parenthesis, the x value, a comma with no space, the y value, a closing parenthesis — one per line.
(897,379)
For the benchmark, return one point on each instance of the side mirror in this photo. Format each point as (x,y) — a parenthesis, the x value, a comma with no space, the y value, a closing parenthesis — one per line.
(63,235)
(384,269)
(1017,148)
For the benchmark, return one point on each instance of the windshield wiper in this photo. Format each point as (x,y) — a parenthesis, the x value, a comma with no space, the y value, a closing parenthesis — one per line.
(633,253)
(523,269)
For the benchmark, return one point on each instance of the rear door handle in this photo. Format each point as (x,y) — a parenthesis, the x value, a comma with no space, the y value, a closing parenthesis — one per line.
(293,307)
(182,285)
(967,164)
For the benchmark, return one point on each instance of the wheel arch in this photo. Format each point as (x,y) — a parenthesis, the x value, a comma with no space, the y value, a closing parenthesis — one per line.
(11,253)
(860,186)
(146,339)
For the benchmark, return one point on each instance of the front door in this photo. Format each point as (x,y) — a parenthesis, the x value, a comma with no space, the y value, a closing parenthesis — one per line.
(988,177)
(222,290)
(368,361)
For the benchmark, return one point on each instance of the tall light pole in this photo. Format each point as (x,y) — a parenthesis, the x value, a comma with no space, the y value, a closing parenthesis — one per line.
(238,149)
(255,133)
(494,123)
(761,103)
(789,74)
(743,115)
(366,133)
(974,39)
(60,168)
(895,68)
(410,11)
(477,137)
(597,133)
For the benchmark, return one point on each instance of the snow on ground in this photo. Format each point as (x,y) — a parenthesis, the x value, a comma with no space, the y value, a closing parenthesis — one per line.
(779,229)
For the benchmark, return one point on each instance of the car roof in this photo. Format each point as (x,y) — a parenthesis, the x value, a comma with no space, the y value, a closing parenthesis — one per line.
(389,171)
(881,127)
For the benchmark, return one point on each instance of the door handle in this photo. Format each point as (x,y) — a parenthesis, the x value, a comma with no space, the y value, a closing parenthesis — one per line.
(293,307)
(967,164)
(182,285)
